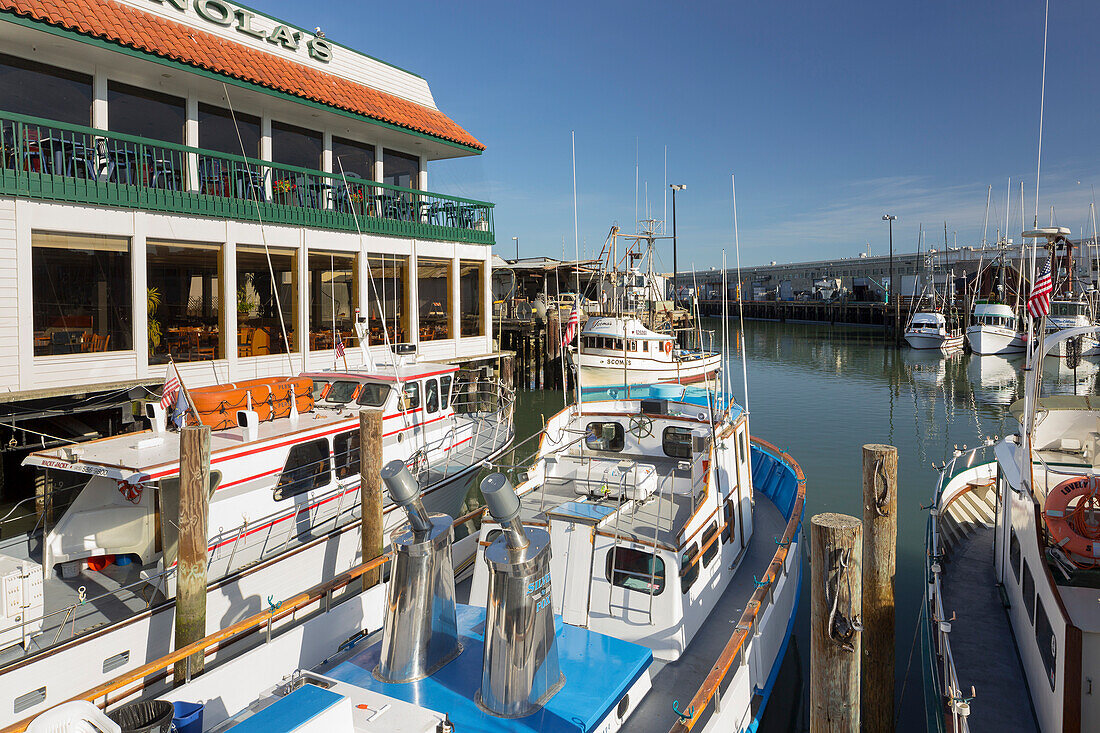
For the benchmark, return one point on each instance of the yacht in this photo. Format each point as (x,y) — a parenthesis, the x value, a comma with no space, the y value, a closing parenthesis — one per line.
(995,329)
(623,351)
(1069,312)
(928,330)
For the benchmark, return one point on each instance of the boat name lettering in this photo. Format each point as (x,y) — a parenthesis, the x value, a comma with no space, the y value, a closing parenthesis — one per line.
(221,13)
(92,470)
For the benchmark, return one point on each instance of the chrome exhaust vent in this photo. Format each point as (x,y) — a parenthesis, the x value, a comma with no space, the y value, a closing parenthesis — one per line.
(419,632)
(520,671)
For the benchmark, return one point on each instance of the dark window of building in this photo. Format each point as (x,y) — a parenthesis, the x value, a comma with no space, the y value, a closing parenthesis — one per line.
(635,570)
(81,293)
(1014,554)
(345,454)
(38,90)
(260,300)
(387,315)
(1028,590)
(184,298)
(676,442)
(444,391)
(1047,642)
(333,287)
(355,159)
(399,169)
(307,468)
(374,395)
(709,534)
(434,278)
(469,297)
(145,113)
(606,436)
(689,570)
(431,396)
(218,132)
(296,146)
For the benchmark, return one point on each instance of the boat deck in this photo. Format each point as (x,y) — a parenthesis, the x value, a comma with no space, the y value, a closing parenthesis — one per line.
(979,633)
(680,679)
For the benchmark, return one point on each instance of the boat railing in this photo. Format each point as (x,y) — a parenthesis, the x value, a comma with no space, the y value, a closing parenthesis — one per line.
(735,653)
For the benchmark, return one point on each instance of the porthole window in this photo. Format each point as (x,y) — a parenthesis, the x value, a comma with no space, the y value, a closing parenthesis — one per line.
(605,436)
(635,570)
(676,442)
(689,570)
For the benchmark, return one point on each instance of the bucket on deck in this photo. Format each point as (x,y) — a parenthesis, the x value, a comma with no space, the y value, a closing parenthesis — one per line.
(188,717)
(151,716)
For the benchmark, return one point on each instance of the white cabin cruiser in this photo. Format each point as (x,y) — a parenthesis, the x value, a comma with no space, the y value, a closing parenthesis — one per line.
(283,513)
(643,356)
(590,606)
(1066,312)
(929,331)
(995,329)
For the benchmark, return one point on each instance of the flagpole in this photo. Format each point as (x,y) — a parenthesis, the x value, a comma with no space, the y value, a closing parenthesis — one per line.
(186,394)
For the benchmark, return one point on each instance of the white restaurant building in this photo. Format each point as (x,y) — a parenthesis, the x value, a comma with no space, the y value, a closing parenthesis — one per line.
(195,180)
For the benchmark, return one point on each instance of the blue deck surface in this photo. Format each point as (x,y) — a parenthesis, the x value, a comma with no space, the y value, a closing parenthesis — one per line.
(690,394)
(598,669)
(290,712)
(582,510)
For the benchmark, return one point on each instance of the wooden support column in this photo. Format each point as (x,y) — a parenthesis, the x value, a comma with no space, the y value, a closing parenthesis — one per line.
(836,546)
(507,370)
(370,491)
(880,524)
(191,558)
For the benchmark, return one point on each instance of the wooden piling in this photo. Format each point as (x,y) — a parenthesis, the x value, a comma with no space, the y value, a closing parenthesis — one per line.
(191,557)
(880,525)
(507,370)
(370,490)
(836,546)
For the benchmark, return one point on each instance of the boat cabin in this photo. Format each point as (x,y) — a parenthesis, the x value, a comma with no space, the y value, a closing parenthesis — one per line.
(994,314)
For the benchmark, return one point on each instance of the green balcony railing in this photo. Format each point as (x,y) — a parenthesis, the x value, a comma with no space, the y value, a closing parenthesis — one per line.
(57,161)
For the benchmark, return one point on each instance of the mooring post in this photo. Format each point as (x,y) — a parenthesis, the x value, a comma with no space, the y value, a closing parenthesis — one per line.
(370,490)
(880,524)
(191,557)
(836,542)
(507,370)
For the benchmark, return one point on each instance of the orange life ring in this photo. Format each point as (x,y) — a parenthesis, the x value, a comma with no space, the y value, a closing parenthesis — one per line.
(1076,529)
(668,347)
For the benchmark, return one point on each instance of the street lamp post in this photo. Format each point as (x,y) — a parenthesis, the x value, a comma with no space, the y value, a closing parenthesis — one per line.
(516,240)
(675,290)
(890,291)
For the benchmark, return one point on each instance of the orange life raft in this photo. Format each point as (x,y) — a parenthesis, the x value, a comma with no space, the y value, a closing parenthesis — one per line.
(217,405)
(1076,528)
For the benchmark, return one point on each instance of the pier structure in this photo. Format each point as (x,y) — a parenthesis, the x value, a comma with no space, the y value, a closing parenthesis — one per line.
(205,184)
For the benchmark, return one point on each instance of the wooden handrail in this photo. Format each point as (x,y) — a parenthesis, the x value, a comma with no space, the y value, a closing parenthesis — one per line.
(711,685)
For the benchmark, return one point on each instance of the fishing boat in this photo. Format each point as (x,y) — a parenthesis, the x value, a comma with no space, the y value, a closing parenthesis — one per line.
(593,603)
(995,329)
(1013,545)
(283,512)
(623,351)
(928,330)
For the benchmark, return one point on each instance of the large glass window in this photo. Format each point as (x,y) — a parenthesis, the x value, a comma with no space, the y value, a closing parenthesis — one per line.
(296,146)
(333,285)
(259,298)
(635,570)
(434,278)
(470,296)
(354,159)
(80,289)
(399,169)
(386,294)
(38,90)
(307,468)
(218,132)
(143,112)
(184,302)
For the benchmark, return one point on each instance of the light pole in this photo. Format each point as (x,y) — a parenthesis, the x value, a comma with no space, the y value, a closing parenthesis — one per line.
(890,298)
(516,240)
(675,290)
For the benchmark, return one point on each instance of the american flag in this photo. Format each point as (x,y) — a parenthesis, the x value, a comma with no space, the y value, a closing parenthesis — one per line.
(339,346)
(171,388)
(571,327)
(1038,303)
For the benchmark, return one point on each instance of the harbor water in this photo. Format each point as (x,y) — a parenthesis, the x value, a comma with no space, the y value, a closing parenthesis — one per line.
(821,392)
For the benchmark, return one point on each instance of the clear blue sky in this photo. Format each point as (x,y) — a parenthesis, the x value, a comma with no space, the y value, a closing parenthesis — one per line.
(830,114)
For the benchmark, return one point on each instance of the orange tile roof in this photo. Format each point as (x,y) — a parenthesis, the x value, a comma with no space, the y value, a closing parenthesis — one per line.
(143,31)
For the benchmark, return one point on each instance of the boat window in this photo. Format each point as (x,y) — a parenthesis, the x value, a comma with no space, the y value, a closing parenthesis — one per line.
(341,392)
(709,534)
(345,454)
(635,570)
(373,395)
(1028,590)
(444,391)
(319,387)
(431,396)
(727,530)
(1014,554)
(633,345)
(608,436)
(741,446)
(677,442)
(307,468)
(1047,642)
(689,570)
(410,398)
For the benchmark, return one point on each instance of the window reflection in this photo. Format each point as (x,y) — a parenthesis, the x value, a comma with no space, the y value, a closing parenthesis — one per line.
(386,307)
(184,281)
(38,90)
(469,298)
(81,296)
(354,159)
(296,146)
(145,113)
(259,327)
(434,277)
(332,299)
(399,169)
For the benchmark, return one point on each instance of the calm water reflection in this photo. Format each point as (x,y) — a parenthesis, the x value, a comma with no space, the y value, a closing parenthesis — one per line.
(821,392)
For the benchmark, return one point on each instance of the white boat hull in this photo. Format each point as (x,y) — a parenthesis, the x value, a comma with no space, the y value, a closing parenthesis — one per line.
(984,339)
(602,370)
(933,341)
